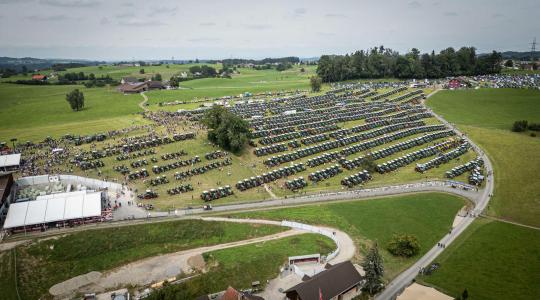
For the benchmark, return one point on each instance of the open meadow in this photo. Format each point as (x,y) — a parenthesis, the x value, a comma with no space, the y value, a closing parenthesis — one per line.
(487,115)
(428,216)
(492,260)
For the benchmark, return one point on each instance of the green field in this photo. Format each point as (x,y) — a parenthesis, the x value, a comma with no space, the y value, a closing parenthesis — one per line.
(429,216)
(492,260)
(34,112)
(45,263)
(486,115)
(239,267)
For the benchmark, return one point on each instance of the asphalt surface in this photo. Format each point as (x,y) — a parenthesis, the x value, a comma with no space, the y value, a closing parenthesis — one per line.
(403,280)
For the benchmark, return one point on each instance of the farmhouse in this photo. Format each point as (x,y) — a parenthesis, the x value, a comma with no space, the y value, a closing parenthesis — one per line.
(39,77)
(129,80)
(341,281)
(138,87)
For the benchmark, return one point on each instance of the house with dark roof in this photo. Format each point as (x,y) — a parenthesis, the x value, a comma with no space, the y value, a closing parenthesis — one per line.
(337,282)
(138,87)
(231,294)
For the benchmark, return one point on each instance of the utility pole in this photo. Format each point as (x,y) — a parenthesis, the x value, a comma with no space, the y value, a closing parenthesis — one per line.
(533,49)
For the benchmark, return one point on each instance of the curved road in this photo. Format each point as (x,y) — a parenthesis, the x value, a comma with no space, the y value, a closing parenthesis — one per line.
(403,280)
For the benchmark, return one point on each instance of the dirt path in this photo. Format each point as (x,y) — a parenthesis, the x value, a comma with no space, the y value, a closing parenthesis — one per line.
(158,268)
(149,270)
(143,103)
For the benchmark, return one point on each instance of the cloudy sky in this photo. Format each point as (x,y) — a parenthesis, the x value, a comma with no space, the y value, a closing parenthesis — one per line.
(121,29)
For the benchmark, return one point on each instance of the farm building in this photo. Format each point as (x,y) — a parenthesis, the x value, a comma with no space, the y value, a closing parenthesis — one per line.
(39,77)
(10,162)
(231,294)
(138,87)
(340,281)
(129,80)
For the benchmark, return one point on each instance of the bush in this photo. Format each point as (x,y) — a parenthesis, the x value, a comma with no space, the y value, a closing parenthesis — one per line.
(316,83)
(534,126)
(404,245)
(519,126)
(533,134)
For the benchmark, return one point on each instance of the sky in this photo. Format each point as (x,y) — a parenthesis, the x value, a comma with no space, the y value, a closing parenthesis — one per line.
(142,30)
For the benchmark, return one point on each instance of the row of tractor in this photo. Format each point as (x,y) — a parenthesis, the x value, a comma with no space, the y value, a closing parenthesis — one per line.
(134,155)
(180,189)
(203,169)
(443,158)
(325,173)
(218,193)
(175,155)
(456,171)
(296,184)
(356,179)
(273,175)
(176,165)
(215,155)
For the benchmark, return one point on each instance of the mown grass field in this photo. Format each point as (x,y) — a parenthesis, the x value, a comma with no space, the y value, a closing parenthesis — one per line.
(35,112)
(429,216)
(492,260)
(45,263)
(239,267)
(487,115)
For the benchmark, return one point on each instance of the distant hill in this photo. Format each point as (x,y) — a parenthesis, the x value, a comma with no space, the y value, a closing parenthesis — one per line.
(526,55)
(39,63)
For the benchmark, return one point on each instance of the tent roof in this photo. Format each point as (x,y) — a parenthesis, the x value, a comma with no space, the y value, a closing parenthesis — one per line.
(10,160)
(53,208)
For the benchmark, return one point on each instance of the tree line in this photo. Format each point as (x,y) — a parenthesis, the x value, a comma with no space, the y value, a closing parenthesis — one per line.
(380,62)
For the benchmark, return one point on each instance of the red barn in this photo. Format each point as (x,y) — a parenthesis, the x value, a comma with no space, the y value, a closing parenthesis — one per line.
(39,77)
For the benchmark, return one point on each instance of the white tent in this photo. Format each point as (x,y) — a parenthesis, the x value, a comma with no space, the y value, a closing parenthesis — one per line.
(53,208)
(10,160)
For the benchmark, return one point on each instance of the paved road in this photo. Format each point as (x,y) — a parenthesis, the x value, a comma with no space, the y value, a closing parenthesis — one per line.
(405,279)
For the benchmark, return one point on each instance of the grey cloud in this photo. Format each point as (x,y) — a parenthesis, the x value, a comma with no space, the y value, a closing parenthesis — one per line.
(104,21)
(498,15)
(125,16)
(300,11)
(414,4)
(14,1)
(47,18)
(135,23)
(257,26)
(170,11)
(451,14)
(198,40)
(334,15)
(207,24)
(326,34)
(71,3)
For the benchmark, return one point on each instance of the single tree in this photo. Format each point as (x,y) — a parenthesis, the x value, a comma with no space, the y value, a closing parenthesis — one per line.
(174,82)
(141,71)
(520,126)
(316,83)
(13,140)
(404,245)
(75,99)
(509,63)
(157,77)
(226,129)
(465,294)
(373,267)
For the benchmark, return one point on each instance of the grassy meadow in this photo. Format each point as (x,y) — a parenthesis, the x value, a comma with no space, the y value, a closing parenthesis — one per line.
(492,260)
(487,115)
(45,263)
(35,112)
(428,216)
